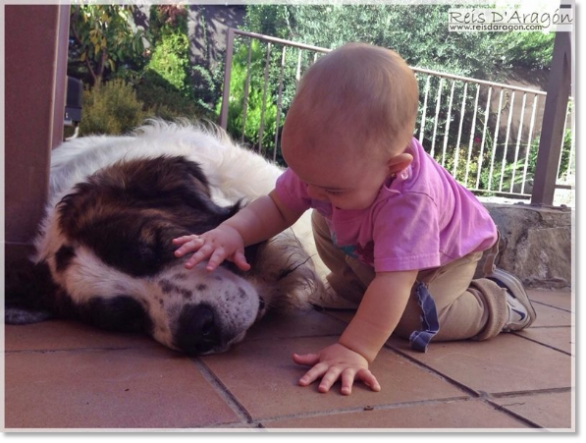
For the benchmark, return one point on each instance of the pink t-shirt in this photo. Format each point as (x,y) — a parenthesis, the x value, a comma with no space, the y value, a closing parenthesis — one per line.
(420,219)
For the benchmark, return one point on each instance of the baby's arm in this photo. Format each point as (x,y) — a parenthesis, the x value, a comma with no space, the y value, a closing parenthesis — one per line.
(260,220)
(377,317)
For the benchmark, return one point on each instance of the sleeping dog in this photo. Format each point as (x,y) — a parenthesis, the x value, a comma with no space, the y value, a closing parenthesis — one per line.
(104,254)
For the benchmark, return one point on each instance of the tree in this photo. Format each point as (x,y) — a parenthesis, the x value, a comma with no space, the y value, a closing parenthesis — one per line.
(102,40)
(418,32)
(165,84)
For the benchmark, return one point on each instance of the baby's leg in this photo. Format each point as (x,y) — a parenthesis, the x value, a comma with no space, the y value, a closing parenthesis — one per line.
(465,308)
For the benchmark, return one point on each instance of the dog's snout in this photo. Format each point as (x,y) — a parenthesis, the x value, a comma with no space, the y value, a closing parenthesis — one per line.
(198,331)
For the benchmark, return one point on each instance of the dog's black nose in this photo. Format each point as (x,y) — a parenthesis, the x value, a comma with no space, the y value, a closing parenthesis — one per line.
(197,330)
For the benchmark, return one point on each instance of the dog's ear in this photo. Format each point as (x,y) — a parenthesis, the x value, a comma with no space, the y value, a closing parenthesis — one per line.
(30,293)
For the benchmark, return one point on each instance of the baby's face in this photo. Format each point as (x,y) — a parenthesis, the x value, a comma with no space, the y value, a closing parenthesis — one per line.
(333,174)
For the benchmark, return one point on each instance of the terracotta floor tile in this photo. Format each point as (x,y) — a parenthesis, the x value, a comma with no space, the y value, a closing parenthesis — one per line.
(263,379)
(295,324)
(134,388)
(460,414)
(559,338)
(549,409)
(64,374)
(559,298)
(62,335)
(506,363)
(548,316)
(344,315)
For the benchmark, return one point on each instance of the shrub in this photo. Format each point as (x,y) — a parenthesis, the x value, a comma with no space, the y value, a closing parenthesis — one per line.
(163,100)
(254,99)
(170,60)
(167,84)
(416,31)
(469,181)
(110,108)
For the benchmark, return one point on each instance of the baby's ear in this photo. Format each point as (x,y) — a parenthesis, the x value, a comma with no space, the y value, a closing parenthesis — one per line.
(398,163)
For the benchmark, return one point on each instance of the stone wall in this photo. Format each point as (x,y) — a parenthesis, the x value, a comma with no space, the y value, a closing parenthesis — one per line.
(536,243)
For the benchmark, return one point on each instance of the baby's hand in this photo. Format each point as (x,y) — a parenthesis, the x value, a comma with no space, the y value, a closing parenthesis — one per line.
(222,243)
(333,362)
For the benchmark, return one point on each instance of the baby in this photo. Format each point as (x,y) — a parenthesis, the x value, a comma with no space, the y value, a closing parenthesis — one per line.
(400,236)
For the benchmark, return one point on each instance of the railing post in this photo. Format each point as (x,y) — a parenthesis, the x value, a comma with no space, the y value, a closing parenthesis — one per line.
(35,78)
(554,116)
(227,73)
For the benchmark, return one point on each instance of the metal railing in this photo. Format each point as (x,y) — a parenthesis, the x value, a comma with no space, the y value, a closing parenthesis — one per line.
(270,43)
(485,134)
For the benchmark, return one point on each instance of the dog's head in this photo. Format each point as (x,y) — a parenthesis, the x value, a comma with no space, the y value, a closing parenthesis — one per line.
(193,311)
(108,248)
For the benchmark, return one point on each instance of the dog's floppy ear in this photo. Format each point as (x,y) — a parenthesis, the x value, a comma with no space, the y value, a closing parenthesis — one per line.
(30,293)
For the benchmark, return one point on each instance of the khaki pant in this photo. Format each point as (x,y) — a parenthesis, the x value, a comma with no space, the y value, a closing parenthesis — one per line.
(466,308)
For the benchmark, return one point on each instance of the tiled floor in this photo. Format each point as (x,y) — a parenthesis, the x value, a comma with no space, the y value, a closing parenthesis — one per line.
(66,375)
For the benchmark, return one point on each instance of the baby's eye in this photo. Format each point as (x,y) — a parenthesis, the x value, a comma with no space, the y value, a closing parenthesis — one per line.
(331,192)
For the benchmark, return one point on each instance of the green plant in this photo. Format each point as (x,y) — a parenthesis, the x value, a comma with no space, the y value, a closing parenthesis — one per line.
(163,100)
(418,32)
(260,106)
(170,61)
(515,182)
(532,50)
(103,40)
(565,162)
(171,85)
(164,19)
(110,108)
(168,67)
(469,178)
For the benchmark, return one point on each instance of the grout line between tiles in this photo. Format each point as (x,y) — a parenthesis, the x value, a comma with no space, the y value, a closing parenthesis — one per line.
(544,344)
(243,426)
(429,369)
(424,367)
(443,376)
(85,349)
(289,337)
(531,393)
(548,327)
(473,394)
(222,391)
(388,407)
(489,399)
(550,306)
(506,411)
(382,407)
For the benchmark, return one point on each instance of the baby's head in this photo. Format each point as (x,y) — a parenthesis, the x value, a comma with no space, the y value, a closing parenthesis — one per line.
(355,107)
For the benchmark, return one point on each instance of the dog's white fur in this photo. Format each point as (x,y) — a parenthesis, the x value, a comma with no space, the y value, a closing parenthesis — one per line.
(234,173)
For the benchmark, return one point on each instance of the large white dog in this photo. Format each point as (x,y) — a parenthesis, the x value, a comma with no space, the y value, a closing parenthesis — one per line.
(104,252)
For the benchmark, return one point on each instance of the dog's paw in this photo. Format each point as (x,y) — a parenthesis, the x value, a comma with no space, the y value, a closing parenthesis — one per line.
(17,316)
